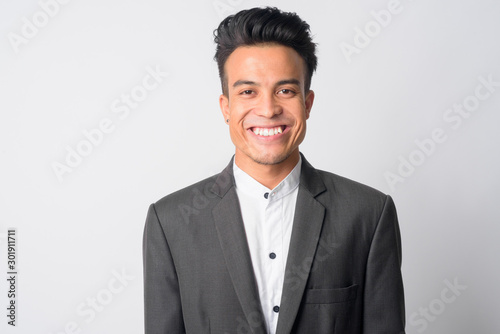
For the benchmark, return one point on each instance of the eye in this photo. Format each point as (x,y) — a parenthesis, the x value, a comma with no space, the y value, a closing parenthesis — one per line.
(286,91)
(246,92)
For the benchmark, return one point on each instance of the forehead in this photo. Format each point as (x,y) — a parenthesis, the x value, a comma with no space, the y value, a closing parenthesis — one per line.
(264,62)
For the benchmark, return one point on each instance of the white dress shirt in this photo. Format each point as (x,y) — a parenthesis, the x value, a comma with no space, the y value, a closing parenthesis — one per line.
(268,218)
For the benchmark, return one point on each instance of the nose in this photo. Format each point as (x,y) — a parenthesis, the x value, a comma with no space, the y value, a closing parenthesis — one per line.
(269,106)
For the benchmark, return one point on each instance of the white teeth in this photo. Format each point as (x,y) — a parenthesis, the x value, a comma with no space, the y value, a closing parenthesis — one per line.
(266,132)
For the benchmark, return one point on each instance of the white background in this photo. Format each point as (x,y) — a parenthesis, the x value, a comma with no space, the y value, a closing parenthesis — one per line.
(76,234)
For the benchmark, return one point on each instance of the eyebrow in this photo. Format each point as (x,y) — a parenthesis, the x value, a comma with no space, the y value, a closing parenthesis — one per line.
(289,82)
(279,83)
(244,82)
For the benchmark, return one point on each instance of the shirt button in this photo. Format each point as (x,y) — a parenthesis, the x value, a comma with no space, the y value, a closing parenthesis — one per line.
(266,195)
(276,309)
(272,255)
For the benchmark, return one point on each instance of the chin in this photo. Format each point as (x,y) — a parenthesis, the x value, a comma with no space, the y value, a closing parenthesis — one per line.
(271,159)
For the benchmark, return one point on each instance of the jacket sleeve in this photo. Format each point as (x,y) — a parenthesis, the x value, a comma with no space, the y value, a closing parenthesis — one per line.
(162,304)
(384,309)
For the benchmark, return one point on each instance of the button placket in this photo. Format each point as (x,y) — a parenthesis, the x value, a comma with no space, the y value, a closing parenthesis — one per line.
(274,228)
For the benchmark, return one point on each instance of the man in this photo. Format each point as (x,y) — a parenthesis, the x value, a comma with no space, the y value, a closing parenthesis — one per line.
(271,245)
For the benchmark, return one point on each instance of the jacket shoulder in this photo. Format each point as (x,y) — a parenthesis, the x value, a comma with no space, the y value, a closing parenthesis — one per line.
(185,196)
(351,192)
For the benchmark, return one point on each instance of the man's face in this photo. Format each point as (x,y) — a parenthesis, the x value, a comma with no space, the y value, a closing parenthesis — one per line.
(266,104)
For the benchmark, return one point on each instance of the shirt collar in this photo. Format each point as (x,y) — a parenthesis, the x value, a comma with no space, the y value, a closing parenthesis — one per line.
(250,186)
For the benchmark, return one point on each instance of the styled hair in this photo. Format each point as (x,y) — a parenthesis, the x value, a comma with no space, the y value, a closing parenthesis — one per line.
(260,26)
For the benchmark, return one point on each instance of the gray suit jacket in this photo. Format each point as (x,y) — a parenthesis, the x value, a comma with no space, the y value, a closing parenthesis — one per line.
(342,273)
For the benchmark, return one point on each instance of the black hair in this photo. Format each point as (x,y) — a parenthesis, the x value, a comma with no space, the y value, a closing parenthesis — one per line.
(260,26)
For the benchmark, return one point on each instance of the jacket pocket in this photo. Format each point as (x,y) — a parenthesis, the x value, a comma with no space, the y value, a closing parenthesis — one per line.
(330,296)
(326,311)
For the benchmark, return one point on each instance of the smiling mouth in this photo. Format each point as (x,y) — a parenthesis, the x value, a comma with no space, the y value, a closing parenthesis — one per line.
(266,132)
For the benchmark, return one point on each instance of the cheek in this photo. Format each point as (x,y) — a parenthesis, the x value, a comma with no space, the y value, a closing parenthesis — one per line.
(300,127)
(301,131)
(238,113)
(301,119)
(237,132)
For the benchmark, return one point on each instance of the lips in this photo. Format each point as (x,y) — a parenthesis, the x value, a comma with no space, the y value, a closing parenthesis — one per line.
(266,132)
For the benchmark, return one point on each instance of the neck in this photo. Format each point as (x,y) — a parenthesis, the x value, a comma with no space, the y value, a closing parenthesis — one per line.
(267,175)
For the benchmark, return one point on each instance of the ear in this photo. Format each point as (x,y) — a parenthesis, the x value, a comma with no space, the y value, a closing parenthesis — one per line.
(224,106)
(309,102)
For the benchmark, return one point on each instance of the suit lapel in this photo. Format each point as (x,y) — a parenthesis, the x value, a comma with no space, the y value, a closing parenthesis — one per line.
(232,238)
(307,224)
